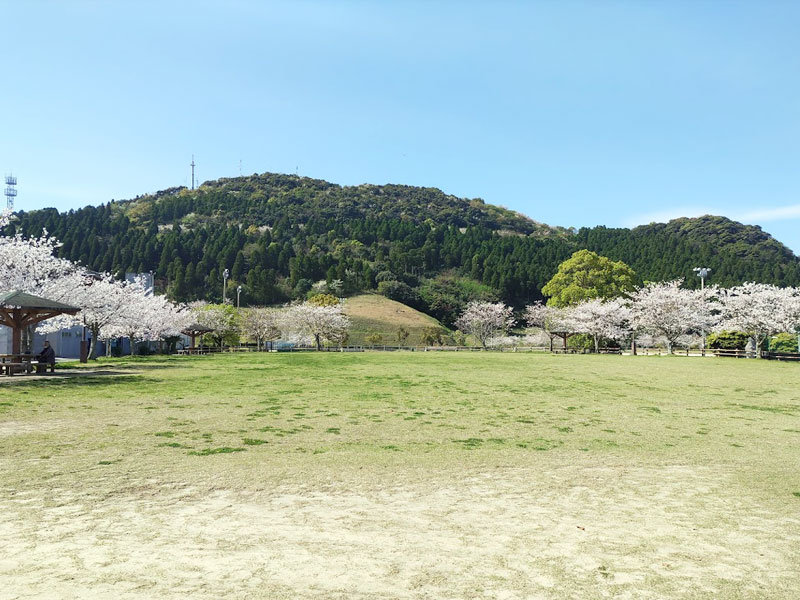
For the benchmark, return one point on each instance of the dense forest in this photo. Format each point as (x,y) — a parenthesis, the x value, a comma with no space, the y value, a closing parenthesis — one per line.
(278,234)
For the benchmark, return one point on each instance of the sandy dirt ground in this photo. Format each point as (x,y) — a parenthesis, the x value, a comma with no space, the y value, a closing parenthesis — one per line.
(567,532)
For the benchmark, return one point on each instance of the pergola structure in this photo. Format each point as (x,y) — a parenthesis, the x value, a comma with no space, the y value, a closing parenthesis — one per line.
(18,310)
(194,330)
(563,335)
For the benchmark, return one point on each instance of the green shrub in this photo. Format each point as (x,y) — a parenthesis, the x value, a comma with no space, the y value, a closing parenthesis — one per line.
(402,335)
(433,335)
(373,338)
(581,341)
(400,292)
(728,340)
(783,342)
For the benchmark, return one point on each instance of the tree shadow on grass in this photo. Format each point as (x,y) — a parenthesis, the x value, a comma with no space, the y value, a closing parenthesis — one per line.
(73,380)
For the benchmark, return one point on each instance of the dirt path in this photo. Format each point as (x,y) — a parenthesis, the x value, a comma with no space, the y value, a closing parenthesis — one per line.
(573,532)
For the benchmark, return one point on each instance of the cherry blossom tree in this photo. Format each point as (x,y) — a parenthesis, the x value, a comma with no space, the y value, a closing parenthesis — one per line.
(553,320)
(151,318)
(320,322)
(484,320)
(760,310)
(668,310)
(108,306)
(262,324)
(29,264)
(104,303)
(602,319)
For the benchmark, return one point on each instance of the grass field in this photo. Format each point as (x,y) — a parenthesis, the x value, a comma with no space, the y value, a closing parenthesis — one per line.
(403,475)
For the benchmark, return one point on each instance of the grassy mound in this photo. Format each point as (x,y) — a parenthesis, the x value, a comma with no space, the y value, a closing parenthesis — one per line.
(373,313)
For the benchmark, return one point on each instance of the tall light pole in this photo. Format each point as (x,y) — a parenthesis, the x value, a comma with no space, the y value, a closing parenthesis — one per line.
(225,275)
(702,273)
(238,293)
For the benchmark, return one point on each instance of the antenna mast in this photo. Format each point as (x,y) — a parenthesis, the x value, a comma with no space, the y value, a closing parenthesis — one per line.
(11,191)
(192,165)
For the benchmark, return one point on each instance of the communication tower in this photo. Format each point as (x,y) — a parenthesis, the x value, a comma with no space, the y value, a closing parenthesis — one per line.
(11,191)
(192,165)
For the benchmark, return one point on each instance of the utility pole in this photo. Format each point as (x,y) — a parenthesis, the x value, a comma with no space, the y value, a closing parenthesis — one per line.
(238,293)
(225,274)
(702,273)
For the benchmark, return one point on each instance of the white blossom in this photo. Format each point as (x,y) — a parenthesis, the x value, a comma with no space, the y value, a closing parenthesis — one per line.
(552,320)
(602,319)
(328,323)
(668,310)
(262,324)
(760,310)
(484,320)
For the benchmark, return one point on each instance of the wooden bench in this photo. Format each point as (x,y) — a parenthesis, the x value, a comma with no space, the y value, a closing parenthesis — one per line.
(9,368)
(609,350)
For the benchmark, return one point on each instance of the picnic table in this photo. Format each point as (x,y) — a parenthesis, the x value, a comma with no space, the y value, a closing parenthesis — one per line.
(16,363)
(193,350)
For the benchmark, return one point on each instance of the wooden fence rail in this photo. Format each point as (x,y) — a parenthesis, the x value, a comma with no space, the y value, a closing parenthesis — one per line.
(712,352)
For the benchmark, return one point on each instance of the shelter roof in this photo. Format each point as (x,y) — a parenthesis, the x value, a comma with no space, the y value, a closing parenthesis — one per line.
(19,299)
(197,328)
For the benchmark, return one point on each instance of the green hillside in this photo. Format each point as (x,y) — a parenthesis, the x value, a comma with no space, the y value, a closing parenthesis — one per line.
(278,234)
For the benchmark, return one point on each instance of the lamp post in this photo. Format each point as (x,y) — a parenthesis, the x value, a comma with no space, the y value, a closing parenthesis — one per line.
(702,273)
(225,275)
(238,293)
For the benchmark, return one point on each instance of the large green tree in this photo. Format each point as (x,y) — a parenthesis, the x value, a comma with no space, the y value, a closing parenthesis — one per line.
(586,276)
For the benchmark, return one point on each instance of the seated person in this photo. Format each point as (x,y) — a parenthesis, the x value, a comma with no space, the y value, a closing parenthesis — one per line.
(45,358)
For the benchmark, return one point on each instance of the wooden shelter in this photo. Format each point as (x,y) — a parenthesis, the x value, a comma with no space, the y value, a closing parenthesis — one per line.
(18,310)
(194,330)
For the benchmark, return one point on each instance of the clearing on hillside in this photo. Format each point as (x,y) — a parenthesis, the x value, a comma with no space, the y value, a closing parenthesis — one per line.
(375,313)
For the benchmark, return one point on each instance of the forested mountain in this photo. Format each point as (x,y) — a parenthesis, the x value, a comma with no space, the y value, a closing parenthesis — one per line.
(280,233)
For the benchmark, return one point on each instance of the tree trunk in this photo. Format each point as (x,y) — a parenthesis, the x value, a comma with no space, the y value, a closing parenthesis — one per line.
(319,341)
(26,339)
(596,344)
(93,346)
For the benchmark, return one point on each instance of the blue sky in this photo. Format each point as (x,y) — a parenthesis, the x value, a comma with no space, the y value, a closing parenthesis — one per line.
(574,113)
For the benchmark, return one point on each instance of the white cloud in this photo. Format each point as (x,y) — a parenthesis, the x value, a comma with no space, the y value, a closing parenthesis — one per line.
(771,214)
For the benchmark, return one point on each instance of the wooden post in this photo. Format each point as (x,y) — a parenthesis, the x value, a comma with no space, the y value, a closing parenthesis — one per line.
(16,340)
